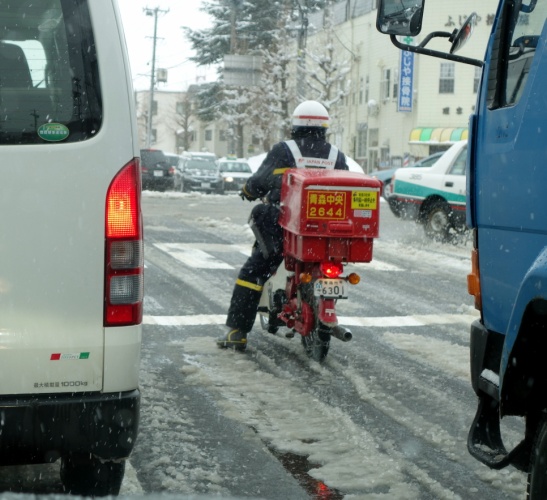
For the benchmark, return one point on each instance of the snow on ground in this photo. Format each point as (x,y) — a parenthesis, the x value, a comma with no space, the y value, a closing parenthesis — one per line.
(295,421)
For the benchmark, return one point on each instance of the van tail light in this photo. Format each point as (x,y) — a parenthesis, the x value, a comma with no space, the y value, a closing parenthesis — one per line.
(124,260)
(331,269)
(172,171)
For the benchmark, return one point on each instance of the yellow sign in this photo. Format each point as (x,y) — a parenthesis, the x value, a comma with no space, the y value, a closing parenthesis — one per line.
(364,200)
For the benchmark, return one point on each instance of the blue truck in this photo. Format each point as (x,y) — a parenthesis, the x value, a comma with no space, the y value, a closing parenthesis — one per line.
(507,212)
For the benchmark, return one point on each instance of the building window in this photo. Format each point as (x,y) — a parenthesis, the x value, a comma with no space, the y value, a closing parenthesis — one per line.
(209,135)
(385,84)
(395,92)
(181,108)
(446,81)
(477,79)
(362,143)
(373,137)
(367,89)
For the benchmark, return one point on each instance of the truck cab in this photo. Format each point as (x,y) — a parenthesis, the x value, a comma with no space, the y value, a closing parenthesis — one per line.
(506,210)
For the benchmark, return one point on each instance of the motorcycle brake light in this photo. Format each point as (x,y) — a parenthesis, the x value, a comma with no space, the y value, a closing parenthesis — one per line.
(331,269)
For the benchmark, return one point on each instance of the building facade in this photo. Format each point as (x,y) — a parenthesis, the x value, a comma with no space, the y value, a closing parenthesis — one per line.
(398,106)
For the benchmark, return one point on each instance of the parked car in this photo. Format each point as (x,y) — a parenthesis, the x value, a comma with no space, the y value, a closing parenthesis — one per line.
(71,257)
(433,196)
(386,175)
(173,159)
(234,173)
(157,172)
(198,172)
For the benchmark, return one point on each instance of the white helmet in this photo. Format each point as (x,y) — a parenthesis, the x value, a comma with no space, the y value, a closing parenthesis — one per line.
(310,114)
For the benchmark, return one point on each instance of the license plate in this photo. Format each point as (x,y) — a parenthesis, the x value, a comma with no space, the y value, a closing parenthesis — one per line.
(205,184)
(330,289)
(158,173)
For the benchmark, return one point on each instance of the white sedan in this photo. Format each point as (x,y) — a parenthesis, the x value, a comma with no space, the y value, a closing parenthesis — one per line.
(434,196)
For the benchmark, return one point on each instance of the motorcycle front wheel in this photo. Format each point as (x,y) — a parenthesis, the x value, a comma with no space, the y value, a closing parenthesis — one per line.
(317,343)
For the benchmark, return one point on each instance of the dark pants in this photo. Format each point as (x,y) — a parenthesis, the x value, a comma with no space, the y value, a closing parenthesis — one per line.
(256,271)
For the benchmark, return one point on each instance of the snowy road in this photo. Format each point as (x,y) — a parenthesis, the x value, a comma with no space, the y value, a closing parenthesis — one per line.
(385,417)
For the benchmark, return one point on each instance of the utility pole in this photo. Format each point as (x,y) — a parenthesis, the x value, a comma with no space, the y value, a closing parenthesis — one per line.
(152,12)
(301,47)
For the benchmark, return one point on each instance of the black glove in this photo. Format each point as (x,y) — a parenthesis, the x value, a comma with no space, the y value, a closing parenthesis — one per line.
(246,196)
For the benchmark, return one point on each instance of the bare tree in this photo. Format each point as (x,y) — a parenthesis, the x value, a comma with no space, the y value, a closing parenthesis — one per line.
(327,73)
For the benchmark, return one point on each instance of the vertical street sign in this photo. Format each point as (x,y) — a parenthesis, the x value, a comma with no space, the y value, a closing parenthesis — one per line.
(406,81)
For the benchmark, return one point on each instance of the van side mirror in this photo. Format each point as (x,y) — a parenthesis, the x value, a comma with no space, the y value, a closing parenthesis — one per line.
(400,17)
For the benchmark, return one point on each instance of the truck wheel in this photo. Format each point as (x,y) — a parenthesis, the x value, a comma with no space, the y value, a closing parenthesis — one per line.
(85,475)
(537,475)
(437,222)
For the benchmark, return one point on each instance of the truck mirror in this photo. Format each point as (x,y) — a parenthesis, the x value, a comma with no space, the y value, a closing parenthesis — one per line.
(400,17)
(464,33)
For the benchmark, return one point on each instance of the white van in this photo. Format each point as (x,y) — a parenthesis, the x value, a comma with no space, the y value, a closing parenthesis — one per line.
(71,259)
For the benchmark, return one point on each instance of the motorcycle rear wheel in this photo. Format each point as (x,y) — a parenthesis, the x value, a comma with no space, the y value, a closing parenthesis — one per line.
(317,343)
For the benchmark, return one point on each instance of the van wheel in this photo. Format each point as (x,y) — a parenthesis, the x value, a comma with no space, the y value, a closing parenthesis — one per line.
(437,222)
(86,475)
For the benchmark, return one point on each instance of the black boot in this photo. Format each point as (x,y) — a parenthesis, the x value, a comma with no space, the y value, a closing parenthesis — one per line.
(234,339)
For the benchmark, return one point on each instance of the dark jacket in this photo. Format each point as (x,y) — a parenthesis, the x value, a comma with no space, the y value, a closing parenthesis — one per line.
(267,179)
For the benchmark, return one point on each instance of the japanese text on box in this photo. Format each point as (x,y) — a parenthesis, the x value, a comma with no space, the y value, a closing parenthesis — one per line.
(326,205)
(364,200)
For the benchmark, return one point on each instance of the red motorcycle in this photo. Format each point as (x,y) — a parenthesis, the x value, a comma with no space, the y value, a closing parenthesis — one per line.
(329,218)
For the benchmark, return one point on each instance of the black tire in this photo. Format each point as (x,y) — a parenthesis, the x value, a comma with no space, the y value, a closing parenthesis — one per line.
(317,343)
(265,324)
(268,323)
(385,190)
(437,223)
(85,475)
(537,475)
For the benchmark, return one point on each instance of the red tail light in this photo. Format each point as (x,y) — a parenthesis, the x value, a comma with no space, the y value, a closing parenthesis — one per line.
(331,269)
(172,171)
(124,282)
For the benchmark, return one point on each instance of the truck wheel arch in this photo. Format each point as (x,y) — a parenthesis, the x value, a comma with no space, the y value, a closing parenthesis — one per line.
(524,384)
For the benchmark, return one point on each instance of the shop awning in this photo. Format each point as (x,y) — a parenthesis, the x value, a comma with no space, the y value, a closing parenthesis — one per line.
(431,135)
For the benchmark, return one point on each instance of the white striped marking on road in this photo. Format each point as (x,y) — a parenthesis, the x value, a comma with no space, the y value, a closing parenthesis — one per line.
(192,257)
(378,322)
(195,255)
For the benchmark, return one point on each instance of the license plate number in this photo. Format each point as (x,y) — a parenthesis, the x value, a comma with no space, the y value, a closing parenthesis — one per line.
(205,184)
(330,288)
(158,173)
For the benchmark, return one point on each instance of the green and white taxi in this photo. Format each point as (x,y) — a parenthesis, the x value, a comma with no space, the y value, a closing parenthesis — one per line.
(433,196)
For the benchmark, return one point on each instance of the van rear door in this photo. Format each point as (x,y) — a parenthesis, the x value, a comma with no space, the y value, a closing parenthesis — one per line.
(66,131)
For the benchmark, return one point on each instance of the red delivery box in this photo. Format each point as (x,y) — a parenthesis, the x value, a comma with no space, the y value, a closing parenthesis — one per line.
(329,214)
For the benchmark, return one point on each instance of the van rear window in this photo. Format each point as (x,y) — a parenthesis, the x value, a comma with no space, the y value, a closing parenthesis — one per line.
(49,82)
